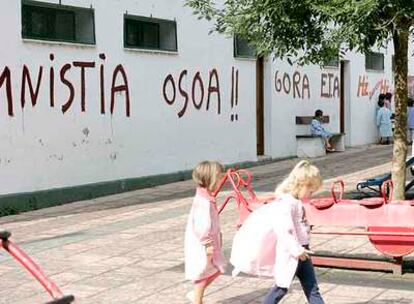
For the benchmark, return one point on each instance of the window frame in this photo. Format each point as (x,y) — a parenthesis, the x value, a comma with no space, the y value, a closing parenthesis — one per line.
(151,20)
(235,50)
(329,64)
(371,68)
(58,7)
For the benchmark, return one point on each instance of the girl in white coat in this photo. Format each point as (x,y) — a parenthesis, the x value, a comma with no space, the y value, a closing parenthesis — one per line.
(204,259)
(274,240)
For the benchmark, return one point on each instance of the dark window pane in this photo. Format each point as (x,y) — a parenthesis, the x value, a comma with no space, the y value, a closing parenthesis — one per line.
(148,33)
(374,61)
(85,26)
(65,25)
(243,49)
(142,34)
(39,24)
(47,21)
(168,37)
(332,63)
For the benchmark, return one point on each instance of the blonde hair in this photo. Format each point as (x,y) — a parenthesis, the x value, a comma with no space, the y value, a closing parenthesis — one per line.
(207,174)
(304,174)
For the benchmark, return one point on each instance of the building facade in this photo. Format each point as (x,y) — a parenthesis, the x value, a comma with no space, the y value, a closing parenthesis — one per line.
(96,92)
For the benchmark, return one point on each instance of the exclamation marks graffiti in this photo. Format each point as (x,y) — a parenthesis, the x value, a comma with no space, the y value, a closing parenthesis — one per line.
(234,99)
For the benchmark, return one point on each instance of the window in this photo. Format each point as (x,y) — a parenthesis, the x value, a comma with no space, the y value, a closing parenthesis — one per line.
(333,63)
(243,49)
(150,33)
(54,22)
(374,61)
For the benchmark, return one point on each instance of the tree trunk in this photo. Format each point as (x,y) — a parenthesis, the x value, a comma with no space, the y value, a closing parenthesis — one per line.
(400,38)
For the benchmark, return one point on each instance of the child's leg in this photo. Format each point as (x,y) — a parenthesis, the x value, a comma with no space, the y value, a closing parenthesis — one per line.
(200,287)
(275,295)
(327,143)
(198,293)
(307,278)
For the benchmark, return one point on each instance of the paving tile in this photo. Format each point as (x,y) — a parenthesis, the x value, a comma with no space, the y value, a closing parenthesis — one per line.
(128,248)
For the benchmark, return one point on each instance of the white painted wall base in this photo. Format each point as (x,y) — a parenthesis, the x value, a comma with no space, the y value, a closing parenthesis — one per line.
(310,147)
(338,143)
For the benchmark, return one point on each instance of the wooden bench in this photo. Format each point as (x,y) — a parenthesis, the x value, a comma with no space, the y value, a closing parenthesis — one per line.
(309,145)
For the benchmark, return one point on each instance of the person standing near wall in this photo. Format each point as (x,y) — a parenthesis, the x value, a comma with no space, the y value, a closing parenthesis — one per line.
(384,123)
(387,100)
(410,121)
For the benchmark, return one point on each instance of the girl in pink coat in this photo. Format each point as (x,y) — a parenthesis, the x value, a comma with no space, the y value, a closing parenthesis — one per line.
(204,259)
(274,240)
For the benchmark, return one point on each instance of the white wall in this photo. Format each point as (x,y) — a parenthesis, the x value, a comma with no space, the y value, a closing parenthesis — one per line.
(364,101)
(42,148)
(360,104)
(286,103)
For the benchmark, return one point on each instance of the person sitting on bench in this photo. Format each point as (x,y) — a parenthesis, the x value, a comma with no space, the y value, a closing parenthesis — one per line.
(317,129)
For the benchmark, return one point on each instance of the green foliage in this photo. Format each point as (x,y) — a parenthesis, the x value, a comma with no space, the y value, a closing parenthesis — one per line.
(309,31)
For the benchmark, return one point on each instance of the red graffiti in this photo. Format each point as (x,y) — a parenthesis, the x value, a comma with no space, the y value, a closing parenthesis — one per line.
(197,91)
(382,86)
(66,82)
(183,93)
(299,87)
(6,77)
(120,88)
(234,97)
(102,83)
(26,80)
(329,85)
(197,79)
(52,82)
(32,85)
(83,66)
(214,89)
(363,86)
(169,79)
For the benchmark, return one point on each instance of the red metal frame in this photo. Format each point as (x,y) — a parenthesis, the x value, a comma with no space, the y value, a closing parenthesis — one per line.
(389,223)
(20,256)
(240,180)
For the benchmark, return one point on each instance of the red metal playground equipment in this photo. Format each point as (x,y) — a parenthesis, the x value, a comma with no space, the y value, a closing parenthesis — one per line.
(389,224)
(34,269)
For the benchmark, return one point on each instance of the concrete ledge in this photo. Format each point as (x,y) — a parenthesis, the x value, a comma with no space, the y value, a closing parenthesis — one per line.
(310,147)
(313,146)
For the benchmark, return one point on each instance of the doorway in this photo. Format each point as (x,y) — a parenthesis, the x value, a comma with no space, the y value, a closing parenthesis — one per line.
(260,106)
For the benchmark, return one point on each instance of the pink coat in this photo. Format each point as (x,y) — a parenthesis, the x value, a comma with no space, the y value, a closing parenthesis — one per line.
(267,244)
(203,227)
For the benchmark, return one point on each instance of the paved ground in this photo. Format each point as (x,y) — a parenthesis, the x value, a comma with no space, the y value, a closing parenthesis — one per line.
(128,248)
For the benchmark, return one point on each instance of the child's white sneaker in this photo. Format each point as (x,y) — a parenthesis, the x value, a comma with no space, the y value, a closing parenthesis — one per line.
(190,296)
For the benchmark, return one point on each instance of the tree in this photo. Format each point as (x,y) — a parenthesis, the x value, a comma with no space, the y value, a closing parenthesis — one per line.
(314,31)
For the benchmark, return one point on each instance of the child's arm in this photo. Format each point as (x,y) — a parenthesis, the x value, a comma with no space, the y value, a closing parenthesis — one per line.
(317,125)
(202,222)
(285,231)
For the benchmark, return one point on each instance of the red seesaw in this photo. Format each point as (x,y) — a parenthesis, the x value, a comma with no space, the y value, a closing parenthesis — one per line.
(240,181)
(389,224)
(20,256)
